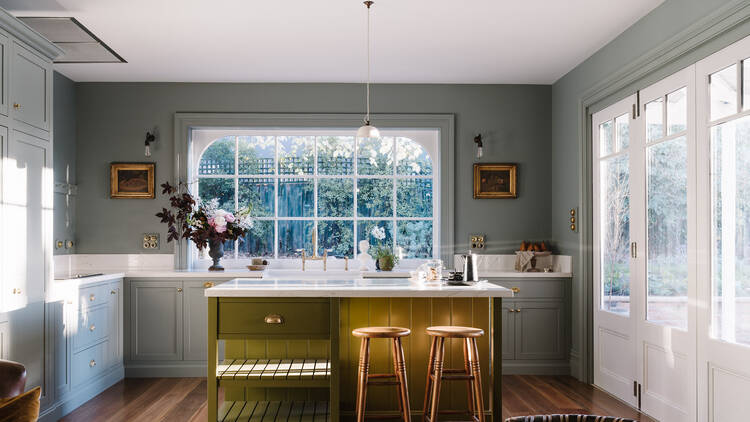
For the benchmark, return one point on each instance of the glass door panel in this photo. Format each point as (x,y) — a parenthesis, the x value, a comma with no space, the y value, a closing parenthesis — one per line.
(730,231)
(615,230)
(667,266)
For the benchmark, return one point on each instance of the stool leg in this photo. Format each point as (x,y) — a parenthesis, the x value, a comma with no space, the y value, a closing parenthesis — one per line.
(364,368)
(401,374)
(394,354)
(477,379)
(469,385)
(437,374)
(428,384)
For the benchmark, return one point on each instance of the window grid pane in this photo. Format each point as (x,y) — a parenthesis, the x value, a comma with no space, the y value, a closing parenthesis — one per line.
(323,193)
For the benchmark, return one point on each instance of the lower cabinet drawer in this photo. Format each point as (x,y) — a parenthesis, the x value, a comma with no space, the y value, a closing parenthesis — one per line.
(257,317)
(92,327)
(89,363)
(92,296)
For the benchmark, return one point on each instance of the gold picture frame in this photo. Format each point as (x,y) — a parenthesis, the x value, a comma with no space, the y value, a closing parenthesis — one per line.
(132,180)
(495,181)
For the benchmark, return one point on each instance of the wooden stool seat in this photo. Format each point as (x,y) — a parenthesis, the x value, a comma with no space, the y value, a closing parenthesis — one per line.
(452,331)
(436,374)
(380,332)
(365,378)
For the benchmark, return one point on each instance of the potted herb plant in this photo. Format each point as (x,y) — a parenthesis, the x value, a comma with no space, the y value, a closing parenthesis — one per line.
(385,258)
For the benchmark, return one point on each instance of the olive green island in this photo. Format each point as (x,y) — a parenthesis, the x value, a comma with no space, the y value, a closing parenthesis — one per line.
(288,352)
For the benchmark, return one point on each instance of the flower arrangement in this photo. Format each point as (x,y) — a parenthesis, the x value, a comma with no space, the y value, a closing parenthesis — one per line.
(384,256)
(200,221)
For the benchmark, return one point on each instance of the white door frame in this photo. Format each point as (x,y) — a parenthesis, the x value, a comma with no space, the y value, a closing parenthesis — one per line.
(614,334)
(723,368)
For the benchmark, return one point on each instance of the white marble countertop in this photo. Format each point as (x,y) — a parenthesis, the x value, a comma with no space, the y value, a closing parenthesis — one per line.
(159,273)
(105,276)
(381,287)
(516,274)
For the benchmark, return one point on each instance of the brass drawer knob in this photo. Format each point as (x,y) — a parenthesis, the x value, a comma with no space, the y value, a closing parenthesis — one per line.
(179,290)
(208,284)
(113,292)
(515,290)
(274,319)
(92,297)
(17,106)
(16,291)
(92,363)
(518,310)
(92,327)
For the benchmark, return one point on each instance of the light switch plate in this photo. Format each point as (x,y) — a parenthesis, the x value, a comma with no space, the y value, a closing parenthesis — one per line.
(476,241)
(151,241)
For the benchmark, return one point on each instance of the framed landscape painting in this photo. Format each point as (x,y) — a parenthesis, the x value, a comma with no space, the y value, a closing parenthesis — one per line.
(495,181)
(131,180)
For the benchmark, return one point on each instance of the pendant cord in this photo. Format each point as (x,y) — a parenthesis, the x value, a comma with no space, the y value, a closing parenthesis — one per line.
(367,117)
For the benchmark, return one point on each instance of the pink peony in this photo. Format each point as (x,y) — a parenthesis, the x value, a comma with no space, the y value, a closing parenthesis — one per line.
(210,221)
(229,217)
(220,229)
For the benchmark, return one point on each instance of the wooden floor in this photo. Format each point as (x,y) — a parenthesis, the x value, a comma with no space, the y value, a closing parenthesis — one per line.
(184,400)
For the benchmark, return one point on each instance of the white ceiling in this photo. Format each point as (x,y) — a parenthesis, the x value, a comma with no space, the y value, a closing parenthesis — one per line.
(414,41)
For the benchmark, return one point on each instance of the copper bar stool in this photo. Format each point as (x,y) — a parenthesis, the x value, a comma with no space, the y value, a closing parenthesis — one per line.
(470,372)
(399,367)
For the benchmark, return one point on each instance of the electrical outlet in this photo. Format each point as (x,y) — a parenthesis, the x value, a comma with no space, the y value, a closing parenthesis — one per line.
(476,241)
(151,241)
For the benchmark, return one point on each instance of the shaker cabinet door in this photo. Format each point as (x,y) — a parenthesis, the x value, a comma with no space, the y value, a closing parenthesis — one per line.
(30,84)
(196,321)
(156,320)
(114,309)
(509,332)
(539,328)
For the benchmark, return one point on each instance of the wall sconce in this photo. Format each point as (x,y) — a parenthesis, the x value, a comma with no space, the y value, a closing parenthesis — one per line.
(478,141)
(150,139)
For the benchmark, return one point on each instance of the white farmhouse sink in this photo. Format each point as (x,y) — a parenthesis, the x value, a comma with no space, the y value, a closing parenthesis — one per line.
(297,274)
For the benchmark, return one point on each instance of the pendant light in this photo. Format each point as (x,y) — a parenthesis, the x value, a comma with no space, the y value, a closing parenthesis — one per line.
(368,130)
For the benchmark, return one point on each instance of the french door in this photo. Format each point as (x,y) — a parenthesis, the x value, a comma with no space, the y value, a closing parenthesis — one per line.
(644,246)
(723,99)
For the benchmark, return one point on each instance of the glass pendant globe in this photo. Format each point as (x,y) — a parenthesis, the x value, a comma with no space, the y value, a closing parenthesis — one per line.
(368,131)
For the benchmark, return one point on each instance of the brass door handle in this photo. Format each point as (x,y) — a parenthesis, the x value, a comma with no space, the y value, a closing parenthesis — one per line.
(208,284)
(515,290)
(92,327)
(92,363)
(274,319)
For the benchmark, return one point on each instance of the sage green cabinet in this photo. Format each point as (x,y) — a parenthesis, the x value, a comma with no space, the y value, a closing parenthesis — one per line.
(536,326)
(4,60)
(115,321)
(156,320)
(195,313)
(30,88)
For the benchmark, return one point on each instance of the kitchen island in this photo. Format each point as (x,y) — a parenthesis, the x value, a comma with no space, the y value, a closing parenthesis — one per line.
(288,349)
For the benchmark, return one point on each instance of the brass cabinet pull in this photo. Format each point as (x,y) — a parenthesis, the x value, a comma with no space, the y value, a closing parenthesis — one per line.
(92,327)
(208,284)
(91,297)
(515,290)
(179,290)
(274,319)
(92,363)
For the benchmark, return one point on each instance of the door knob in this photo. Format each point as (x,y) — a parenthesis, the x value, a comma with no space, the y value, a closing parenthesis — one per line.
(16,291)
(113,292)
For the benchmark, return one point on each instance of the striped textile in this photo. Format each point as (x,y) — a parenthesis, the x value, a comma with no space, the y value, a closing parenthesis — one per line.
(567,418)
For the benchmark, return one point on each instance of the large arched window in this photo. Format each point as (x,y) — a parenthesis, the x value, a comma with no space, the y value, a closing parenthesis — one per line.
(297,181)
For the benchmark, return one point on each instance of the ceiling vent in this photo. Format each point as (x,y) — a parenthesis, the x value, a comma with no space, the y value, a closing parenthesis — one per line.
(78,43)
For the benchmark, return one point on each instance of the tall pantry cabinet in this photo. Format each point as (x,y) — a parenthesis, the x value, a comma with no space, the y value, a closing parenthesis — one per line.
(26,189)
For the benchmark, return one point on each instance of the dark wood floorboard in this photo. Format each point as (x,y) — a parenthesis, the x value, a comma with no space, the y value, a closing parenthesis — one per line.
(184,400)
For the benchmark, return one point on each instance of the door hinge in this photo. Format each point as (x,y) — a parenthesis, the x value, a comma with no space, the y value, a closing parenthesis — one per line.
(639,396)
(633,250)
(635,388)
(634,112)
(638,103)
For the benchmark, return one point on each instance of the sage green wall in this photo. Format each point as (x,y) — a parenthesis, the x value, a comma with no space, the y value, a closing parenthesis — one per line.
(668,20)
(64,158)
(113,118)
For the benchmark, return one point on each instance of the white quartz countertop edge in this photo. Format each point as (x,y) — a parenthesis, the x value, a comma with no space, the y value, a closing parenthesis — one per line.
(81,281)
(516,274)
(400,288)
